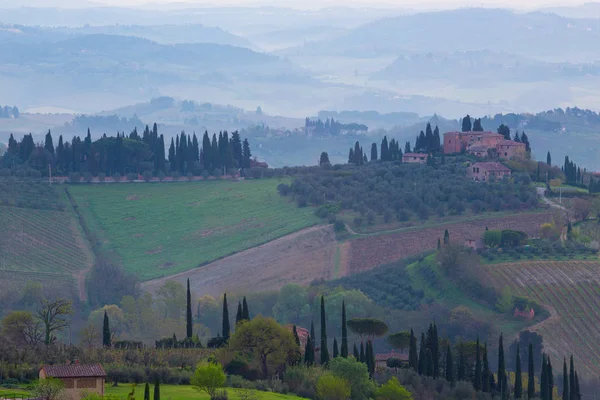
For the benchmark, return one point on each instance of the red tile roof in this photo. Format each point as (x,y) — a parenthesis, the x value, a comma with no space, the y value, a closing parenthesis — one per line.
(393,354)
(510,143)
(74,371)
(420,155)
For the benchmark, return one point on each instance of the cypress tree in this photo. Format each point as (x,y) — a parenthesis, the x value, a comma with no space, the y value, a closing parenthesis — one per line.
(226,329)
(239,314)
(572,387)
(477,376)
(344,349)
(106,331)
(147,392)
(544,379)
(413,357)
(309,352)
(550,379)
(486,375)
(362,353)
(296,337)
(356,353)
(577,391)
(502,383)
(324,350)
(449,366)
(374,152)
(548,159)
(435,351)
(565,393)
(530,373)
(422,357)
(188,320)
(312,333)
(335,348)
(370,355)
(446,236)
(245,310)
(157,390)
(429,363)
(439,244)
(518,377)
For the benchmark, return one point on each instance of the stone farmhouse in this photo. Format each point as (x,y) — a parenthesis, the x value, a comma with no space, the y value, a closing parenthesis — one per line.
(78,379)
(414,158)
(483,144)
(484,171)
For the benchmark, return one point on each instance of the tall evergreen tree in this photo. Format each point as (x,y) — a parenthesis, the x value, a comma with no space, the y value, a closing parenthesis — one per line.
(544,379)
(106,339)
(422,356)
(502,383)
(239,313)
(324,349)
(296,337)
(344,348)
(466,124)
(413,356)
(247,154)
(548,159)
(407,148)
(530,373)
(477,376)
(477,125)
(550,379)
(370,359)
(446,237)
(49,145)
(374,152)
(504,131)
(157,390)
(188,320)
(336,352)
(565,392)
(435,351)
(486,375)
(518,376)
(245,310)
(147,392)
(449,366)
(385,152)
(309,352)
(226,329)
(356,353)
(362,357)
(572,384)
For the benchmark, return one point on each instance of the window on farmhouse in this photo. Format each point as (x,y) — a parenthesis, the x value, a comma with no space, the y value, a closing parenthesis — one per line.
(69,383)
(87,383)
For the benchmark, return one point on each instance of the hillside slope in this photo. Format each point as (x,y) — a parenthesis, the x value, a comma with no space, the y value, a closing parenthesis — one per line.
(164,229)
(571,291)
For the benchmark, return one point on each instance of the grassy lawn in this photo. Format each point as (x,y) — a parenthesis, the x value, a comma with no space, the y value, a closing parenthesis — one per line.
(162,229)
(175,392)
(564,188)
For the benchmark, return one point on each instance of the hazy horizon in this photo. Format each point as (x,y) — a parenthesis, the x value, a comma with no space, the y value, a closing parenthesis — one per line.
(398,4)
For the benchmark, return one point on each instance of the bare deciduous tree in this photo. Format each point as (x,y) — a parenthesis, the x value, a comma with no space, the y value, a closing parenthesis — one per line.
(53,314)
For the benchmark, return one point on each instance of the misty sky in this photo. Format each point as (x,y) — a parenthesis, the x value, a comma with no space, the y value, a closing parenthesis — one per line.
(415,4)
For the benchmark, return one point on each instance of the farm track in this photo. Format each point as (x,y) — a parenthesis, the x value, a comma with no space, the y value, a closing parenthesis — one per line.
(570,290)
(300,257)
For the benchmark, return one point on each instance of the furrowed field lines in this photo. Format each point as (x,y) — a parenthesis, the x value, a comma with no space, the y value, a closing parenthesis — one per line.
(159,230)
(571,292)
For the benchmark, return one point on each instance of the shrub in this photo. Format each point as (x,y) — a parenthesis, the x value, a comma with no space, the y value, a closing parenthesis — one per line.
(355,372)
(331,387)
(208,378)
(219,395)
(392,390)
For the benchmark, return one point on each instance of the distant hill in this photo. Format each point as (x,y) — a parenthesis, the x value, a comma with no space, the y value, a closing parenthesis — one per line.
(485,65)
(533,34)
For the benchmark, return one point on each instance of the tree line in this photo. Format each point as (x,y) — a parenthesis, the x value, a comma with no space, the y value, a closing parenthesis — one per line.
(9,112)
(134,153)
(332,127)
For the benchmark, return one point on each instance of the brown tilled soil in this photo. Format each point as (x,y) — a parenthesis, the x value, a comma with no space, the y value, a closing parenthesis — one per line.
(371,251)
(297,258)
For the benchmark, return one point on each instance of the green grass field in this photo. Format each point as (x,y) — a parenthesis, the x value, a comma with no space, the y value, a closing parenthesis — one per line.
(174,392)
(163,229)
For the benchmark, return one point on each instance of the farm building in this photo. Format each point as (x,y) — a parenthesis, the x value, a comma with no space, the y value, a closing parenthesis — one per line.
(481,144)
(475,244)
(77,378)
(484,171)
(303,334)
(414,158)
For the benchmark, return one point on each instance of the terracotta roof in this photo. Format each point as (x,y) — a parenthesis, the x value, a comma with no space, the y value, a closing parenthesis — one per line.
(74,371)
(491,166)
(415,155)
(475,133)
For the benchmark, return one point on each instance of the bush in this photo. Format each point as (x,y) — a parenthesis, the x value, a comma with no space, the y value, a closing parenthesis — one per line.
(219,395)
(355,372)
(208,378)
(392,390)
(331,387)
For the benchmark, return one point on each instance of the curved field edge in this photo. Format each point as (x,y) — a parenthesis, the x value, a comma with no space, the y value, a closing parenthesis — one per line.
(300,257)
(570,290)
(162,230)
